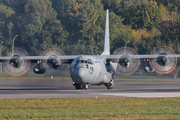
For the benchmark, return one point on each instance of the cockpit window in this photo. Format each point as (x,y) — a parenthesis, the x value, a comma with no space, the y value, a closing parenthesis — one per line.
(82,61)
(90,61)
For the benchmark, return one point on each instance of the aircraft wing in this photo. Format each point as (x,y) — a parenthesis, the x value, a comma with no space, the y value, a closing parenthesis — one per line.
(35,59)
(142,57)
(162,60)
(18,62)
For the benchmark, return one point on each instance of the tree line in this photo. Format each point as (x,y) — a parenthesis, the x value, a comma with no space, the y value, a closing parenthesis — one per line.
(77,26)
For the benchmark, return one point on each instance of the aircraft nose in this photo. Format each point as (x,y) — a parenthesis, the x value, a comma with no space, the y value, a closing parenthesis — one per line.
(81,73)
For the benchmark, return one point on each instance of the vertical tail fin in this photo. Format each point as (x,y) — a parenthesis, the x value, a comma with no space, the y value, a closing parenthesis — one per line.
(106,50)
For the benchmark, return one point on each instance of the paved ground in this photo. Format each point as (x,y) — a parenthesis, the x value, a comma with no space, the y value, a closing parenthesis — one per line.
(14,89)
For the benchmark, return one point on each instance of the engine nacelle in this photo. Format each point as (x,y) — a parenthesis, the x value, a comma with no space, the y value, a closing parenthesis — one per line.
(53,62)
(163,60)
(52,59)
(16,61)
(148,68)
(125,61)
(127,65)
(18,64)
(39,70)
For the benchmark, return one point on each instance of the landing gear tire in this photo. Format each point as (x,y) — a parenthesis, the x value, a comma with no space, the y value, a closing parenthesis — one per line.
(85,86)
(78,86)
(109,86)
(81,86)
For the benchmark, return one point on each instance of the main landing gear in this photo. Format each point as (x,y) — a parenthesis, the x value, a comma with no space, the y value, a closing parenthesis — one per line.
(109,85)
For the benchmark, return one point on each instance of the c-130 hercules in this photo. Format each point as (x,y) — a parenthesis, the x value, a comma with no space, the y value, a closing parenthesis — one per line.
(88,70)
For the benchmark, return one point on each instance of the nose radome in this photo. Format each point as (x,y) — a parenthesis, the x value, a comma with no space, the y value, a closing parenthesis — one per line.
(81,73)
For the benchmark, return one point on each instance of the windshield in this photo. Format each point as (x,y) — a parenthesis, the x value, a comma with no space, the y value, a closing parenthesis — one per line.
(82,61)
(89,61)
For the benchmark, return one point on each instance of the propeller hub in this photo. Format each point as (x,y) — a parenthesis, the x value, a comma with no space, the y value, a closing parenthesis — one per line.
(124,61)
(53,62)
(163,60)
(16,61)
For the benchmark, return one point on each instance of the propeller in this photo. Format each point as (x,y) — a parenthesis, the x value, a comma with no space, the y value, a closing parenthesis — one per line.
(126,64)
(52,61)
(18,64)
(166,61)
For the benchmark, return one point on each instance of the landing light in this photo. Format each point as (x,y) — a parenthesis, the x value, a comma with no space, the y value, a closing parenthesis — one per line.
(111,82)
(73,82)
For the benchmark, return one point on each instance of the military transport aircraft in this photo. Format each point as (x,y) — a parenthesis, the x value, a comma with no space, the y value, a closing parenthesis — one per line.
(93,69)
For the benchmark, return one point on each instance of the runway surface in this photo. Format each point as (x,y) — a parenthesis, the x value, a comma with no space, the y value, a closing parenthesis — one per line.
(15,89)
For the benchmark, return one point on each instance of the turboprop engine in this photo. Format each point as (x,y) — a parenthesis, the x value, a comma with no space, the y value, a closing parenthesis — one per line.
(18,64)
(51,58)
(163,60)
(16,61)
(126,63)
(53,62)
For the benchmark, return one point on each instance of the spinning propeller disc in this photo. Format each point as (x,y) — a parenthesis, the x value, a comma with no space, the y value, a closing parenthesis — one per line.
(53,53)
(133,63)
(169,55)
(24,64)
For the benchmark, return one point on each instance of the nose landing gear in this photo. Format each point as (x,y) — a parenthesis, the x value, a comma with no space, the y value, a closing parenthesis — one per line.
(81,86)
(85,86)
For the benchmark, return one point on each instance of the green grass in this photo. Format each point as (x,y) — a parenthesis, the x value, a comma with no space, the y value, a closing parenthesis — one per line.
(91,108)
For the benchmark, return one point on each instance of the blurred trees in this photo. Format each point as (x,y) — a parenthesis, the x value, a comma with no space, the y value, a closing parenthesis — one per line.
(38,28)
(146,15)
(5,23)
(77,26)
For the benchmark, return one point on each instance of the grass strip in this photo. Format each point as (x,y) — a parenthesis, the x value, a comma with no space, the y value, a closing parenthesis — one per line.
(90,108)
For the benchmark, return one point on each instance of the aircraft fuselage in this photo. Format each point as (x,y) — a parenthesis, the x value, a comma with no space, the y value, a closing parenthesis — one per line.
(91,70)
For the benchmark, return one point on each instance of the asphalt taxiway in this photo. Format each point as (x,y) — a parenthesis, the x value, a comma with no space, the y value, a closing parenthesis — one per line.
(20,89)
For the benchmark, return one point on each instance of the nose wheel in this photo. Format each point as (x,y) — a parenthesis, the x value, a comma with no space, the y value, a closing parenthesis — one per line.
(85,86)
(78,86)
(81,86)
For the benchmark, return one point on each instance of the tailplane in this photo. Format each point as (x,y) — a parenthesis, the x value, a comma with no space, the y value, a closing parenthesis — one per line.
(106,50)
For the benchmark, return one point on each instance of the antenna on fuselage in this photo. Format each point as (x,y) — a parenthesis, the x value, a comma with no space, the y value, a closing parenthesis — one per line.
(106,50)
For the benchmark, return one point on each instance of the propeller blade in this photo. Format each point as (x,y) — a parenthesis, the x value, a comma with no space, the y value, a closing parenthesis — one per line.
(16,65)
(163,64)
(126,64)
